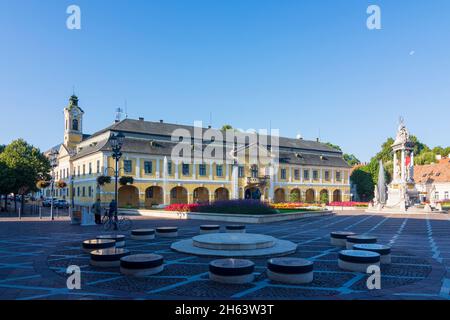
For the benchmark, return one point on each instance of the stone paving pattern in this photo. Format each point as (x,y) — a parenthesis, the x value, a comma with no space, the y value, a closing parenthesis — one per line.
(34,255)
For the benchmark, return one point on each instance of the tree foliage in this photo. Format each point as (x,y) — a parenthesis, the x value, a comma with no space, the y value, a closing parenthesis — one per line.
(351,159)
(364,183)
(26,165)
(422,155)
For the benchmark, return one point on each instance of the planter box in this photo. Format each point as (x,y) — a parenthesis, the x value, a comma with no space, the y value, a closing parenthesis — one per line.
(238,218)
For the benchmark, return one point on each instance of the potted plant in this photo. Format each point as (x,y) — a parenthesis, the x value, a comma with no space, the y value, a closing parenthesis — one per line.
(102,180)
(126,180)
(42,184)
(61,184)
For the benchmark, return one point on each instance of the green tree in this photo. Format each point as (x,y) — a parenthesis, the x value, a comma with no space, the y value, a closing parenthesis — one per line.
(334,146)
(427,157)
(351,159)
(364,183)
(324,198)
(226,127)
(26,164)
(294,197)
(6,183)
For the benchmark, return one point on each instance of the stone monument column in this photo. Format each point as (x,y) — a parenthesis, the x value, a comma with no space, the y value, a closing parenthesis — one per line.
(403,171)
(411,168)
(395,167)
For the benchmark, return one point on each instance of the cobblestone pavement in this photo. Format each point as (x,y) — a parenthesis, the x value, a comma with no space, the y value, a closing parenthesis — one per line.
(34,255)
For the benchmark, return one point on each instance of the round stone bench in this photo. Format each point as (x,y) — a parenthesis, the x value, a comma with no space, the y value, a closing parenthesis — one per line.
(339,238)
(359,239)
(236,271)
(235,228)
(290,270)
(118,238)
(143,234)
(358,260)
(382,250)
(108,257)
(97,244)
(141,265)
(167,232)
(211,228)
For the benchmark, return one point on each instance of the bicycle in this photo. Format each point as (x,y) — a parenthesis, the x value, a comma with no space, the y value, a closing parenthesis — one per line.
(123,223)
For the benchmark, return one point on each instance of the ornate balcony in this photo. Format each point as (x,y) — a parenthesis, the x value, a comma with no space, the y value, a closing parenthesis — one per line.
(262,180)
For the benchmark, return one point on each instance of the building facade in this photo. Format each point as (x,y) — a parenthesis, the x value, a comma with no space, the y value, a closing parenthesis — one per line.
(307,171)
(433,180)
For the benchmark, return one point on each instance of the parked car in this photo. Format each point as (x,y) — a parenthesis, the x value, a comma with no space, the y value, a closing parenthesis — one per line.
(48,202)
(61,204)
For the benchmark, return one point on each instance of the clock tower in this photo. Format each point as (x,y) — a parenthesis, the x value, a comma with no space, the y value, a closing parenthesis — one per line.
(73,123)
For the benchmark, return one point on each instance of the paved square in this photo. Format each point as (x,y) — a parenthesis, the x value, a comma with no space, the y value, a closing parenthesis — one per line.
(34,256)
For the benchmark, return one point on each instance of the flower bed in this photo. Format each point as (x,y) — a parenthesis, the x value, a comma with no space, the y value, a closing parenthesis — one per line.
(293,205)
(349,204)
(182,207)
(228,206)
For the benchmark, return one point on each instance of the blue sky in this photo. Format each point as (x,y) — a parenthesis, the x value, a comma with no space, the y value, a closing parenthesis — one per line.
(303,66)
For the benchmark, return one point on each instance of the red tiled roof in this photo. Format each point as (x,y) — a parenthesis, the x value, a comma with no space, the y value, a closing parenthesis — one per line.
(430,173)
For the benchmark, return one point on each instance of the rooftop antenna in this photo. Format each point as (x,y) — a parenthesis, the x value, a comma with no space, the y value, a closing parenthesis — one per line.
(210,119)
(73,90)
(126,109)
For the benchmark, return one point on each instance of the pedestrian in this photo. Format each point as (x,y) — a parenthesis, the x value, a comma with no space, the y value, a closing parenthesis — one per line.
(97,209)
(112,207)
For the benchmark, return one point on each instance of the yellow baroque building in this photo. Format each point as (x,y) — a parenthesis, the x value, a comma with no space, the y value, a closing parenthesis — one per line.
(308,171)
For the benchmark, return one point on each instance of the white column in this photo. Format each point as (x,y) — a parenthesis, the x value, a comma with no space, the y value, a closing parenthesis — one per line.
(235,178)
(272,181)
(166,193)
(176,170)
(138,167)
(403,166)
(311,171)
(321,177)
(194,169)
(290,174)
(157,168)
(395,167)
(227,171)
(301,174)
(210,170)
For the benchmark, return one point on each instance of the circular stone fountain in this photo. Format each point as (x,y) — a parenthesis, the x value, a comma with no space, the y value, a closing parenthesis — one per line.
(235,245)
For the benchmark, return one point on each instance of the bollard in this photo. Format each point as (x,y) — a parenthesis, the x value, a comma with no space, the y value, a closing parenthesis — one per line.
(20,214)
(40,213)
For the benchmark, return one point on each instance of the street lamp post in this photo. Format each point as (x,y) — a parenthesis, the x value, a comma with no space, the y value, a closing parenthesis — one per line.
(116,144)
(54,164)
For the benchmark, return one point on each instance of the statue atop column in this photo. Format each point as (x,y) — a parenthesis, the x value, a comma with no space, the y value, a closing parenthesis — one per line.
(402,195)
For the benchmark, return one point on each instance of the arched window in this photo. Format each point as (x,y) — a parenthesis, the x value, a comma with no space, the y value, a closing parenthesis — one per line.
(75,124)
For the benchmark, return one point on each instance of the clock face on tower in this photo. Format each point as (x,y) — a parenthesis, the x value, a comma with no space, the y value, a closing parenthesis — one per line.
(75,112)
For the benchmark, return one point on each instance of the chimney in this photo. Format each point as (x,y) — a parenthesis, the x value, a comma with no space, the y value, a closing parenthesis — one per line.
(209,127)
(161,121)
(317,139)
(438,157)
(141,118)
